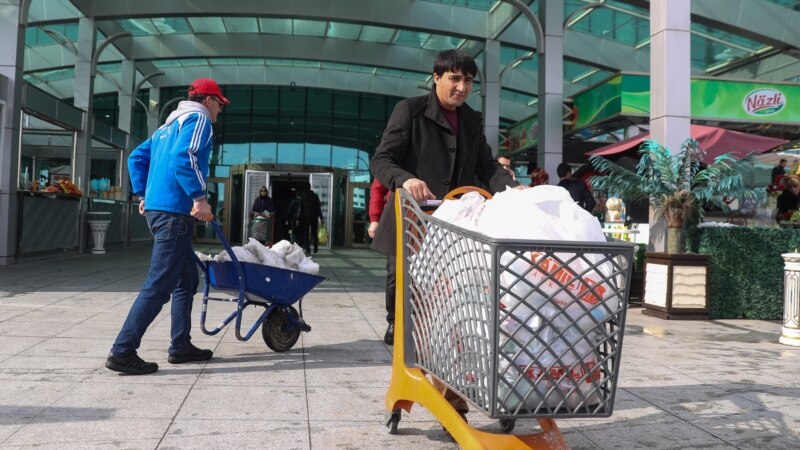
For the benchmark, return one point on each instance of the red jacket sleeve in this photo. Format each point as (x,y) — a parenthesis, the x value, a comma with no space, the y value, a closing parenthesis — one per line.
(377,200)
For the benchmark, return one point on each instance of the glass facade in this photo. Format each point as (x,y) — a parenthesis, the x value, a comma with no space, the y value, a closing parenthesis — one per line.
(296,126)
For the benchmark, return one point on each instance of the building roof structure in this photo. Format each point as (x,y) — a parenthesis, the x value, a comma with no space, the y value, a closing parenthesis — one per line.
(388,47)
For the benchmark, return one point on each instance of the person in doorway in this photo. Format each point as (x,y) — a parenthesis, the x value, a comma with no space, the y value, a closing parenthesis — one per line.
(432,144)
(263,204)
(263,208)
(169,173)
(577,190)
(505,163)
(310,218)
(293,217)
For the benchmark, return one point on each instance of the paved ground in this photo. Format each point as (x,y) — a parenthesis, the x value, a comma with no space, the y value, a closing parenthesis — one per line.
(721,384)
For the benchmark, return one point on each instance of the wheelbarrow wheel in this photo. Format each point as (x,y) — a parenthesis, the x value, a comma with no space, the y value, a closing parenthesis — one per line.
(507,425)
(278,331)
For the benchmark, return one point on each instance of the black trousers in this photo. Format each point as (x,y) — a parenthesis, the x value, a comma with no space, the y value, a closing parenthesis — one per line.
(391,276)
(308,234)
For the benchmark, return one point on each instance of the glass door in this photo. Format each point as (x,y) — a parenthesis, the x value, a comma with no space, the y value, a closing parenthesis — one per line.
(358,215)
(322,184)
(217,197)
(253,180)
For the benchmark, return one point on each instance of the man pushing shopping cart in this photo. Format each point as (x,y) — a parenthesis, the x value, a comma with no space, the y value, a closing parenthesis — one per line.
(431,145)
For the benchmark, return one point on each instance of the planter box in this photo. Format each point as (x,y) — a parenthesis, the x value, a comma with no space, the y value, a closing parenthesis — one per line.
(676,286)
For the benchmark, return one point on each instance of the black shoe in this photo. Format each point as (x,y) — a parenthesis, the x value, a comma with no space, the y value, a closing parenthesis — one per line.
(131,364)
(191,354)
(463,414)
(388,338)
(316,250)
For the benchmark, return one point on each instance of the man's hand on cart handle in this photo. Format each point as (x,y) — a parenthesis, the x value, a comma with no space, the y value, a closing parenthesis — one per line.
(418,189)
(201,210)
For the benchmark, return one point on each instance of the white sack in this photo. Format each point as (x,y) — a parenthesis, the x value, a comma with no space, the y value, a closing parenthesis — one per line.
(308,266)
(463,212)
(294,256)
(282,248)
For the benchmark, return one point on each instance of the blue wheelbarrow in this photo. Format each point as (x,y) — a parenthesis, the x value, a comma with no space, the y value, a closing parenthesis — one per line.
(273,288)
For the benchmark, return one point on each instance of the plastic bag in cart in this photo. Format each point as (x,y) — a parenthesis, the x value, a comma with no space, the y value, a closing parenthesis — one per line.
(551,303)
(559,370)
(577,284)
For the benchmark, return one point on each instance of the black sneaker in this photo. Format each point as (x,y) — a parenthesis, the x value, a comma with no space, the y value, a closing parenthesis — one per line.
(131,364)
(388,338)
(191,354)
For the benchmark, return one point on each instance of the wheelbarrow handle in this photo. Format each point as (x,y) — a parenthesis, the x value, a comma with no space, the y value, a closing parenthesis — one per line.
(228,248)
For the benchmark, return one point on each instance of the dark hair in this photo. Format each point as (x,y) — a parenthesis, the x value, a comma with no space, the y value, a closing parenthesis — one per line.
(454,61)
(200,97)
(782,161)
(563,169)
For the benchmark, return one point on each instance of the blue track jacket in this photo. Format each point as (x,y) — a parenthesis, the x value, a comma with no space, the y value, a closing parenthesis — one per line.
(170,168)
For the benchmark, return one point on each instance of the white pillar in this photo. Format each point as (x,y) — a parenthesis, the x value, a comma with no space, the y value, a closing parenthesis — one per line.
(153,106)
(84,91)
(13,16)
(670,72)
(551,88)
(790,332)
(490,90)
(126,95)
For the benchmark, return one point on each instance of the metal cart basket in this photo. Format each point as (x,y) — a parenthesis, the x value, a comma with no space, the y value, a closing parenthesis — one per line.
(519,328)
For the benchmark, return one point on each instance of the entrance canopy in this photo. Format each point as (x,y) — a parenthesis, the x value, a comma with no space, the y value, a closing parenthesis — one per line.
(715,141)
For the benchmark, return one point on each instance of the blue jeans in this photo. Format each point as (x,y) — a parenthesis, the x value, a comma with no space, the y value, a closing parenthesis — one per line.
(172,271)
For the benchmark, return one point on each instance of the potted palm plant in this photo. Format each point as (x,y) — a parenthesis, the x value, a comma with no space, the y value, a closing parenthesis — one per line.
(679,186)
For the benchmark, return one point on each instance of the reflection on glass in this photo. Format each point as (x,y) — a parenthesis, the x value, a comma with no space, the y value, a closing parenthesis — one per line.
(216,199)
(318,155)
(45,155)
(360,219)
(263,152)
(235,153)
(104,173)
(290,153)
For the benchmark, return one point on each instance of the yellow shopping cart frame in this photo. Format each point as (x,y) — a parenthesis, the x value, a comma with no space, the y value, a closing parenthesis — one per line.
(409,385)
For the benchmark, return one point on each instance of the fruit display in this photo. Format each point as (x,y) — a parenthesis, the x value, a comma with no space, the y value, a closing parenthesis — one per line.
(63,187)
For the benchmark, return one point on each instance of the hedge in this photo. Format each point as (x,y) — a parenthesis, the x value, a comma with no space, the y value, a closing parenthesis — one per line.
(745,275)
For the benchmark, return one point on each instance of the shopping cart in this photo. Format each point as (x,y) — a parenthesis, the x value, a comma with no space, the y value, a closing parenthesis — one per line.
(521,329)
(273,288)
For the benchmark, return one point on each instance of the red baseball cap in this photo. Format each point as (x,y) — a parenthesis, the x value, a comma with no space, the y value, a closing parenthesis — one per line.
(207,86)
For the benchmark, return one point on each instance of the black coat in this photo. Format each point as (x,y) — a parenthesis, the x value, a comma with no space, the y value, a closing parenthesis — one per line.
(419,143)
(577,190)
(787,201)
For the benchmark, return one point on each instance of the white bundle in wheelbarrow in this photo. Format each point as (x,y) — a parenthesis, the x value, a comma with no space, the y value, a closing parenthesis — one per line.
(283,254)
(551,303)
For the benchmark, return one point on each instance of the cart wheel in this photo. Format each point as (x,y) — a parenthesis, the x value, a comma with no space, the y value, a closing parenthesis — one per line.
(392,419)
(278,332)
(507,425)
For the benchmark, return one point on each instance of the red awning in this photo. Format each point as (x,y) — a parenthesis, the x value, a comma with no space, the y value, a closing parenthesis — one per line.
(715,141)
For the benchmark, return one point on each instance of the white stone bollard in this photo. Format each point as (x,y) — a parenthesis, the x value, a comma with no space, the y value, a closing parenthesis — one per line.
(790,332)
(98,224)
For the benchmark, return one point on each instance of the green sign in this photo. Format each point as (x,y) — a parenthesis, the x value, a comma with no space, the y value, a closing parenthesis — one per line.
(723,100)
(744,101)
(522,134)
